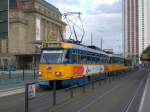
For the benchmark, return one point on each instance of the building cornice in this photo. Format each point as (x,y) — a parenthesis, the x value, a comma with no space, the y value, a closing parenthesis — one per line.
(34,10)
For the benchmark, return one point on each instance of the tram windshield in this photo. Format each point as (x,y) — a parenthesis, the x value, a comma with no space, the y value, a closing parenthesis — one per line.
(52,56)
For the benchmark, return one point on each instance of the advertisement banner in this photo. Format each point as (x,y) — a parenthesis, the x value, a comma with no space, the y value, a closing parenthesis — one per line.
(38,29)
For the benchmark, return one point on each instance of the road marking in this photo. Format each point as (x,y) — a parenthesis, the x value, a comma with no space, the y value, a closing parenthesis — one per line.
(144,95)
(97,99)
(128,106)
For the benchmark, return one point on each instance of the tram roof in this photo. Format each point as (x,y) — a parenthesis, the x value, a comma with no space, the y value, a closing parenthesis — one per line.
(70,46)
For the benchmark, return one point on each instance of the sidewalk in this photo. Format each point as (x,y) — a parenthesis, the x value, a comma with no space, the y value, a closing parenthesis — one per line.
(16,77)
(13,85)
(14,88)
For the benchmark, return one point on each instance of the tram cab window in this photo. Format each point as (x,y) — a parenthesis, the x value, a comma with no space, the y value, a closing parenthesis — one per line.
(66,57)
(83,59)
(74,58)
(51,56)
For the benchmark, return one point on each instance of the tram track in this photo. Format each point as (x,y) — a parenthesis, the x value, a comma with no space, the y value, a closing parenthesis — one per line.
(128,104)
(107,91)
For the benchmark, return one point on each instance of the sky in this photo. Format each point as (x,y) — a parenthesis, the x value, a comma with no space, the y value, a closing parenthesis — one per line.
(101,17)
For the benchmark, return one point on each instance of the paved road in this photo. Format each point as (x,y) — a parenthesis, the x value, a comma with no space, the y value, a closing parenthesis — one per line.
(120,95)
(123,96)
(145,102)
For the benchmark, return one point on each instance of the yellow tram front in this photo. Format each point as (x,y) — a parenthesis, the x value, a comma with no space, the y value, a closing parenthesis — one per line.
(54,61)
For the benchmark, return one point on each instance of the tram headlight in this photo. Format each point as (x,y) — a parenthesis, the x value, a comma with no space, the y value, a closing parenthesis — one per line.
(39,74)
(58,73)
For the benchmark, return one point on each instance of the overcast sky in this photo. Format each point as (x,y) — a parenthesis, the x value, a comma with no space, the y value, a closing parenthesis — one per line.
(101,17)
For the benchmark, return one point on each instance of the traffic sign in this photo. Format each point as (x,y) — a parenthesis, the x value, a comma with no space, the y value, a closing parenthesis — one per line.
(29,94)
(31,91)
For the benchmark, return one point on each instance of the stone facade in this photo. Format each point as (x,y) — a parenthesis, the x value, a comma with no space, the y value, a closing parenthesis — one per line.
(20,49)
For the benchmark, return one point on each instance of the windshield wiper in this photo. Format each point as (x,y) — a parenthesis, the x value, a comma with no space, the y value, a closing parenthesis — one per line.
(45,58)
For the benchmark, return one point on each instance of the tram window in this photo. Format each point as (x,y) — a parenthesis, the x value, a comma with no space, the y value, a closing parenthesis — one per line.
(92,60)
(74,58)
(48,57)
(83,59)
(96,60)
(67,57)
(100,59)
(88,59)
(79,58)
(104,60)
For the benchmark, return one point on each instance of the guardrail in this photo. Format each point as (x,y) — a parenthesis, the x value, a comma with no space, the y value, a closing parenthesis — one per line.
(18,76)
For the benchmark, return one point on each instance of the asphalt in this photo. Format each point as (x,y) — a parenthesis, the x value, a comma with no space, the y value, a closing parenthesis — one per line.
(120,94)
(145,102)
(123,96)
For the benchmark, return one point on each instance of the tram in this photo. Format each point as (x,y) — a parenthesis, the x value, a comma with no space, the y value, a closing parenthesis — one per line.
(70,63)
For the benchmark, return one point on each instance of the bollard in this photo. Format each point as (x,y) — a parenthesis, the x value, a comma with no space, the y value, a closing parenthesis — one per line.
(54,92)
(23,74)
(29,94)
(26,99)
(34,73)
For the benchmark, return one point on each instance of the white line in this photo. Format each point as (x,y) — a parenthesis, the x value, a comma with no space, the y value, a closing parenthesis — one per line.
(97,99)
(144,95)
(133,98)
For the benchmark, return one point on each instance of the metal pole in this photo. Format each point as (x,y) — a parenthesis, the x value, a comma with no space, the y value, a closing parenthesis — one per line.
(23,74)
(26,99)
(102,44)
(54,92)
(9,74)
(92,84)
(99,82)
(8,18)
(34,73)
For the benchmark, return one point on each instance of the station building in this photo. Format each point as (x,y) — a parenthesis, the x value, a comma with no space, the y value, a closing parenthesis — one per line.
(30,22)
